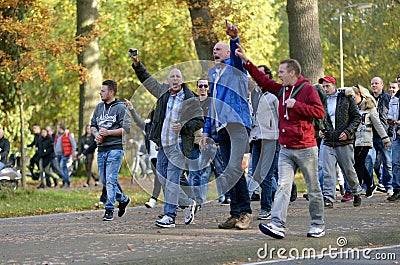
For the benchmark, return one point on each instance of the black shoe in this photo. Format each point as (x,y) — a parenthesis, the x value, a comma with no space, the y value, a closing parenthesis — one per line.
(293,193)
(305,196)
(55,182)
(370,191)
(381,188)
(357,200)
(41,186)
(394,197)
(122,207)
(255,197)
(328,204)
(108,215)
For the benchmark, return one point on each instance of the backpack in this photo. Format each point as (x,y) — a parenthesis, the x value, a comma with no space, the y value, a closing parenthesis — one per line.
(319,124)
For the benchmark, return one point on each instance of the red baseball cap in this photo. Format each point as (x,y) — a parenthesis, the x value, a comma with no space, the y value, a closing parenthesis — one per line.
(328,79)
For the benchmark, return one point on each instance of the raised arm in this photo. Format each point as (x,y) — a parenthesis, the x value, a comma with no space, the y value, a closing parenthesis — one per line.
(261,79)
(150,83)
(135,116)
(233,32)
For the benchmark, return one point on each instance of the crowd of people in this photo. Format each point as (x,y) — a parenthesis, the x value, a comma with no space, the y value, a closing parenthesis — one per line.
(318,129)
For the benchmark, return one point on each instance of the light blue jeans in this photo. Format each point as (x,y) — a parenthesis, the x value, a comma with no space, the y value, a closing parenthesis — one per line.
(386,155)
(200,176)
(63,162)
(109,164)
(289,161)
(344,156)
(396,164)
(169,171)
(263,156)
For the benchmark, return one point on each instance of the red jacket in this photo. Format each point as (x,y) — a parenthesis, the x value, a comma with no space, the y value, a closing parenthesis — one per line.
(66,143)
(297,132)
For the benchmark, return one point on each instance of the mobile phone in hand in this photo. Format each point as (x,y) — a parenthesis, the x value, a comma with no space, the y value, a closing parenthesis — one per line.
(133,52)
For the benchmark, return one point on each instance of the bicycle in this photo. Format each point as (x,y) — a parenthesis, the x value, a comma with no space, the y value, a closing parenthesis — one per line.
(141,168)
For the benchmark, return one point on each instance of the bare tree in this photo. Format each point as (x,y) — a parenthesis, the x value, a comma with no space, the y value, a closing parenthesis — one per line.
(304,38)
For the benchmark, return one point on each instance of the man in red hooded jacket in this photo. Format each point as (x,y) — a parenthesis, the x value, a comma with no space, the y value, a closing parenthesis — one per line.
(297,140)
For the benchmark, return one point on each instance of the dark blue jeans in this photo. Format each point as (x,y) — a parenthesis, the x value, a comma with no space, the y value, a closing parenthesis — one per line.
(233,143)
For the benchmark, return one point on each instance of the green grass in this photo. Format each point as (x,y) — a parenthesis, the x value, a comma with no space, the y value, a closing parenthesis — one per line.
(30,201)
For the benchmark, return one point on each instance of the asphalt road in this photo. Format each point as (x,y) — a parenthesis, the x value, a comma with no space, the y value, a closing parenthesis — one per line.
(83,238)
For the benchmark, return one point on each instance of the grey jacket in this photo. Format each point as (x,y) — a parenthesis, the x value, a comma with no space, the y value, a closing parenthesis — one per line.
(264,119)
(111,117)
(394,113)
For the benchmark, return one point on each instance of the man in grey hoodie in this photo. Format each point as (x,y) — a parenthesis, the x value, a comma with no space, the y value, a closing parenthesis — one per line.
(108,124)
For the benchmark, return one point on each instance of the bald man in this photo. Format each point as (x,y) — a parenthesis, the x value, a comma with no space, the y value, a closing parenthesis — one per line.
(382,98)
(177,116)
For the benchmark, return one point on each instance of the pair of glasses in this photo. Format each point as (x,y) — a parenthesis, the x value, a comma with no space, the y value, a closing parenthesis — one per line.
(201,86)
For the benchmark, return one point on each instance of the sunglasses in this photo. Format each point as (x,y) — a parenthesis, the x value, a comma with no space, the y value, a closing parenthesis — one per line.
(201,86)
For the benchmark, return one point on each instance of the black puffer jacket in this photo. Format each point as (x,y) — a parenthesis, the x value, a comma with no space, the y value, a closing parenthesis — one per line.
(347,119)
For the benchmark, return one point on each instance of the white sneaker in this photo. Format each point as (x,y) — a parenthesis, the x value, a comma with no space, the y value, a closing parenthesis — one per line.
(189,212)
(99,204)
(151,203)
(165,222)
(390,193)
(272,230)
(316,232)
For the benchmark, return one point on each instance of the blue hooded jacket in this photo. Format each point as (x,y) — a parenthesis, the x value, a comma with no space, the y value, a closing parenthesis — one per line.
(230,104)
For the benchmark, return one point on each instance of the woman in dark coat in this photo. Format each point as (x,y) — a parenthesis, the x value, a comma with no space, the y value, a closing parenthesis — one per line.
(46,154)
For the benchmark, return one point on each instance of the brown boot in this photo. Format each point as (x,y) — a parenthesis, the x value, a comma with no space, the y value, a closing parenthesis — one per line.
(229,223)
(244,221)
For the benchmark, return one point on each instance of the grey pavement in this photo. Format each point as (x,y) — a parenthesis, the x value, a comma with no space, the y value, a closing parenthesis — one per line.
(83,238)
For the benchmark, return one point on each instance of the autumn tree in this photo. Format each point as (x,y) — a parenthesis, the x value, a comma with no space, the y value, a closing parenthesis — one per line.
(371,40)
(26,48)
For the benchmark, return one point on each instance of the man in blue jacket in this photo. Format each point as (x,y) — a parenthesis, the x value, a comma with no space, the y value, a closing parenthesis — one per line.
(228,124)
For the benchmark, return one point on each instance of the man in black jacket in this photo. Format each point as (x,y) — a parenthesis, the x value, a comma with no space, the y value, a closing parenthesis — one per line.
(342,120)
(177,116)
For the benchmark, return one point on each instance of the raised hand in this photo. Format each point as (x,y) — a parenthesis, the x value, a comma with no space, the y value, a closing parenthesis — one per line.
(231,30)
(128,104)
(240,53)
(133,53)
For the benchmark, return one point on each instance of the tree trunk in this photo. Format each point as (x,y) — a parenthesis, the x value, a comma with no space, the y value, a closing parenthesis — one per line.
(22,147)
(89,58)
(202,28)
(304,39)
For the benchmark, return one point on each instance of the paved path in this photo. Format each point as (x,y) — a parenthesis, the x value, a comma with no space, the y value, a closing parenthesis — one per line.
(83,238)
